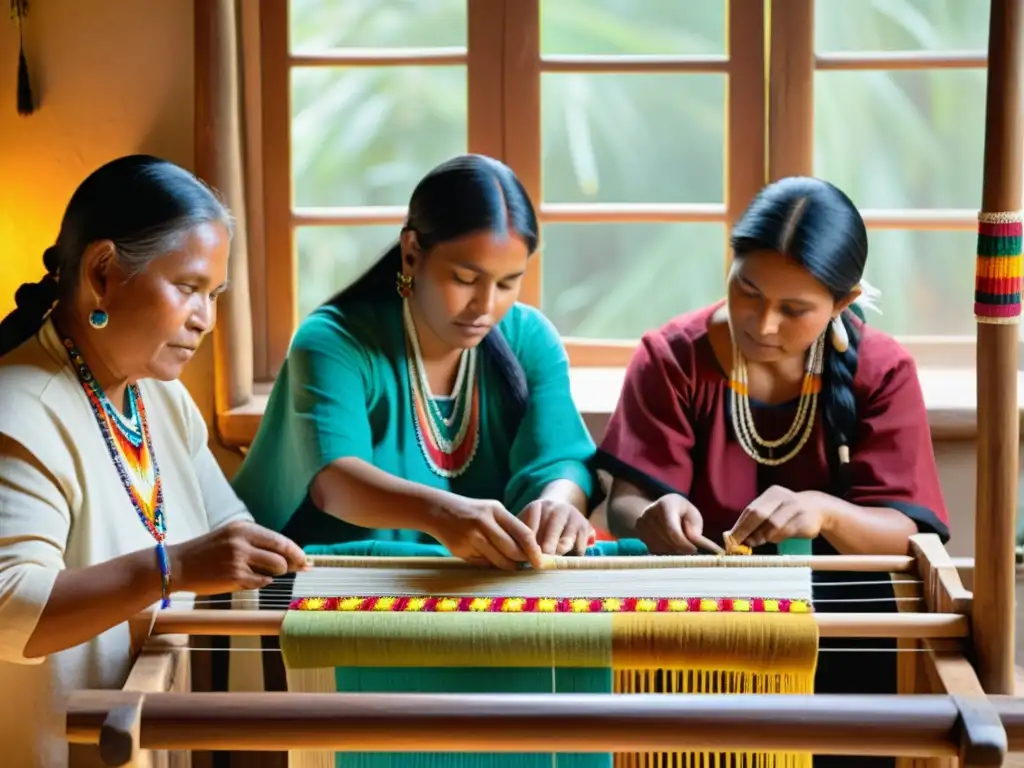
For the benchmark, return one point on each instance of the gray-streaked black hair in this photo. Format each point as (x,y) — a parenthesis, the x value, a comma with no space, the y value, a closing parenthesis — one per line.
(144,205)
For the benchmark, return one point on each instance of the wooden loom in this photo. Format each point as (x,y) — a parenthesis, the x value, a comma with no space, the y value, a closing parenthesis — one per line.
(957,699)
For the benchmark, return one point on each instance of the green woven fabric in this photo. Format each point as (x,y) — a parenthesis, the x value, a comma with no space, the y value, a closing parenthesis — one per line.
(319,639)
(472,680)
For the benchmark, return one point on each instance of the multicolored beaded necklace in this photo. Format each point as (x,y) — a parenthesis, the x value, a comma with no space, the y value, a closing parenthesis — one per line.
(131,449)
(449,443)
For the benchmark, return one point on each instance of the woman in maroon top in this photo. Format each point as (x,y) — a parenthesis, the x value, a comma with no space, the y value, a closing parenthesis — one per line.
(778,415)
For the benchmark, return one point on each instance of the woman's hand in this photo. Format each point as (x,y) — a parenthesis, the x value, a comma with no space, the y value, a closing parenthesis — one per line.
(776,515)
(673,526)
(484,531)
(238,556)
(558,526)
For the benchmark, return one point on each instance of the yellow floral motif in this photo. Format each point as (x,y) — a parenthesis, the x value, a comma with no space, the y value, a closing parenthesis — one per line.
(449,604)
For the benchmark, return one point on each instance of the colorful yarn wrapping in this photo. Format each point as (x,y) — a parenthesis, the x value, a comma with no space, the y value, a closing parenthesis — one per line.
(453,604)
(997,288)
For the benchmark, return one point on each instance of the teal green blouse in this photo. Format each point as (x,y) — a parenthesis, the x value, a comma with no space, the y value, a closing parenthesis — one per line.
(344,392)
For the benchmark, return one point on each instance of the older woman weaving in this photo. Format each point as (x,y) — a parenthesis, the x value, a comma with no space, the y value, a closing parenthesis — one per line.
(778,420)
(110,498)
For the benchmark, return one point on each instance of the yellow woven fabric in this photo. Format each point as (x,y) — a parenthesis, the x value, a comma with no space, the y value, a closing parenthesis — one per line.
(715,653)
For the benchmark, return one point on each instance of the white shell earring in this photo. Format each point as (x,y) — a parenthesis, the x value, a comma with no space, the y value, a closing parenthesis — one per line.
(840,338)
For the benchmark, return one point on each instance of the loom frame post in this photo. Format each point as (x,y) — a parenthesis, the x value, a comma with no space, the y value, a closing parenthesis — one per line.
(997,370)
(940,666)
(943,590)
(161,666)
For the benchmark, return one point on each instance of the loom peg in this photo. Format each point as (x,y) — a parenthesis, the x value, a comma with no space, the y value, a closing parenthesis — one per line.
(983,739)
(120,734)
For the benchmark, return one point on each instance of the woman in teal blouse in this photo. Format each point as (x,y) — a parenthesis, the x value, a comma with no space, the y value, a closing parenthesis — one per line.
(423,403)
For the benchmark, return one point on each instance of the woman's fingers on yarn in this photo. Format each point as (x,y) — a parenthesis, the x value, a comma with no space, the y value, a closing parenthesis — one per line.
(583,537)
(693,529)
(475,545)
(659,545)
(254,581)
(271,541)
(532,516)
(801,524)
(522,539)
(555,529)
(575,531)
(770,528)
(753,517)
(267,563)
(502,541)
(671,531)
(655,524)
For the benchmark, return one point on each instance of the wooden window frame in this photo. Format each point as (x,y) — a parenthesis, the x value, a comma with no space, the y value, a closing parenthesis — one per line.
(793,61)
(504,69)
(770,62)
(277,317)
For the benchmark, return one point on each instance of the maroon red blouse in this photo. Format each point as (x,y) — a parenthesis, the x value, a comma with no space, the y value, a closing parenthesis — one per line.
(671,432)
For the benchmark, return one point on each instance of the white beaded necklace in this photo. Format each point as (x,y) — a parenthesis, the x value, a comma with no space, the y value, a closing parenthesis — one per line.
(803,422)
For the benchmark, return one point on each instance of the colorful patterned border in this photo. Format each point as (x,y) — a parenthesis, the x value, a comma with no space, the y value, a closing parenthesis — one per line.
(549,605)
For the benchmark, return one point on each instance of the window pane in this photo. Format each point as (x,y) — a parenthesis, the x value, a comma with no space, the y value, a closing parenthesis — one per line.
(901,25)
(901,139)
(319,25)
(632,27)
(926,279)
(626,138)
(365,136)
(330,258)
(616,281)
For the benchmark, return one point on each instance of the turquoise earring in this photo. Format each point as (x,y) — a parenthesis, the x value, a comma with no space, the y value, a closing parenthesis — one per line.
(98,319)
